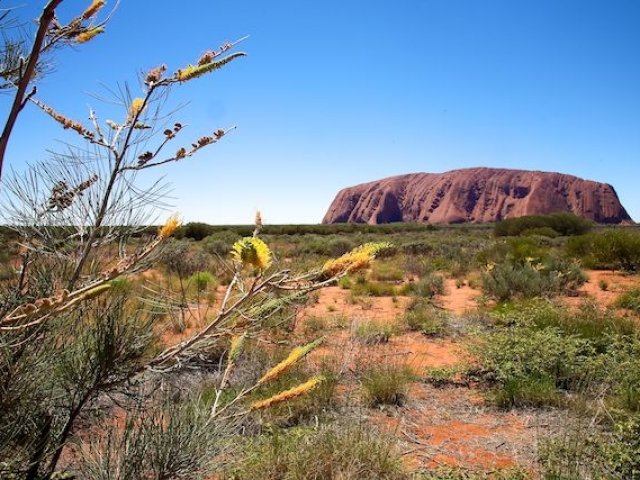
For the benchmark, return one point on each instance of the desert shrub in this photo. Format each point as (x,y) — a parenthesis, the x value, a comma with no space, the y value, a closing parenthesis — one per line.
(629,300)
(582,452)
(373,332)
(196,230)
(168,440)
(385,384)
(531,278)
(422,316)
(591,322)
(339,451)
(560,223)
(345,283)
(528,366)
(612,249)
(537,350)
(387,272)
(183,258)
(453,473)
(442,376)
(201,280)
(338,246)
(417,248)
(541,232)
(427,287)
(314,324)
(219,243)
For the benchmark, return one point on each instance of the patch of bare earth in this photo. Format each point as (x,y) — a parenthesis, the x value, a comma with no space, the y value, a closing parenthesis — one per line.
(616,284)
(458,300)
(436,426)
(452,426)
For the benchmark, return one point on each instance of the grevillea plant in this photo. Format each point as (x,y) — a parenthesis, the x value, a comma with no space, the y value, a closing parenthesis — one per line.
(78,348)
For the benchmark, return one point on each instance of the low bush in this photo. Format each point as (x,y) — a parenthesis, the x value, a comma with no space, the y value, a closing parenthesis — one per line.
(536,351)
(384,271)
(615,249)
(345,452)
(373,332)
(201,280)
(427,287)
(531,278)
(560,223)
(528,366)
(629,300)
(220,243)
(452,473)
(424,317)
(583,452)
(385,384)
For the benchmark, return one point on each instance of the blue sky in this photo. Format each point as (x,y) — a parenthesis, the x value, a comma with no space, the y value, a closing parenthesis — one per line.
(336,93)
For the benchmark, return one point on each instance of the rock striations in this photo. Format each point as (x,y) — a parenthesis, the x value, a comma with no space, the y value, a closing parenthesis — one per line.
(475,195)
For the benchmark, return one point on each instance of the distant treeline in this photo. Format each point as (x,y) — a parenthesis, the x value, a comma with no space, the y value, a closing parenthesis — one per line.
(198,231)
(551,225)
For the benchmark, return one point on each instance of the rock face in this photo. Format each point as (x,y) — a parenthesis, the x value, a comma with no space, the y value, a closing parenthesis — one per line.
(475,195)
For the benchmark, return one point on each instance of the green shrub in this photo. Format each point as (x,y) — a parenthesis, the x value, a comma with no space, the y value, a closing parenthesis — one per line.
(387,272)
(373,332)
(590,322)
(422,316)
(560,223)
(617,249)
(452,473)
(220,243)
(442,376)
(201,280)
(338,246)
(537,350)
(541,232)
(345,452)
(583,452)
(314,324)
(427,287)
(196,230)
(531,278)
(528,365)
(629,300)
(385,384)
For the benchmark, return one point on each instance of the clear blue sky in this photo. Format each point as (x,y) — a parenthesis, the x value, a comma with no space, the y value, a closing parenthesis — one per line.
(336,93)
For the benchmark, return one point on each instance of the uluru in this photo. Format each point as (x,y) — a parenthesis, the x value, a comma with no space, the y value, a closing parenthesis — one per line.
(475,195)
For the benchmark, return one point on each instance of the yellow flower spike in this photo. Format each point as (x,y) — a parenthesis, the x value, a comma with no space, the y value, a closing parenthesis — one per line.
(295,355)
(87,35)
(252,251)
(195,71)
(294,392)
(169,228)
(357,259)
(136,107)
(237,344)
(92,9)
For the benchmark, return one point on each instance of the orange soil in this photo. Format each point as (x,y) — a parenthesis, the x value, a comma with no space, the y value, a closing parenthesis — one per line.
(618,283)
(333,301)
(448,426)
(458,300)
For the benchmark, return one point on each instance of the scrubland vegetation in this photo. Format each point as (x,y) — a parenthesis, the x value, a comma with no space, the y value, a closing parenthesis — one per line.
(296,352)
(536,341)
